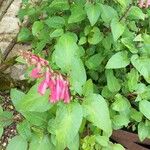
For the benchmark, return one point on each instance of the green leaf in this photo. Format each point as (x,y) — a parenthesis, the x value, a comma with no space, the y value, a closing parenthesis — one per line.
(65,50)
(88,88)
(6,118)
(37,119)
(123,3)
(108,13)
(74,145)
(37,27)
(38,143)
(94,61)
(17,143)
(66,124)
(142,65)
(95,36)
(93,12)
(117,29)
(59,5)
(77,14)
(82,40)
(33,101)
(143,131)
(57,33)
(128,42)
(132,80)
(55,22)
(16,97)
(144,106)
(120,120)
(136,13)
(136,115)
(24,130)
(102,140)
(121,103)
(117,147)
(96,111)
(24,35)
(112,82)
(118,60)
(77,75)
(40,46)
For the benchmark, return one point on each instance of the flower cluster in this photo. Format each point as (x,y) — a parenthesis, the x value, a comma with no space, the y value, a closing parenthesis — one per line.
(144,3)
(58,85)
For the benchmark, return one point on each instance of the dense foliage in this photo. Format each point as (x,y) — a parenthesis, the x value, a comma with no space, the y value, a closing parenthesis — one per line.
(103,48)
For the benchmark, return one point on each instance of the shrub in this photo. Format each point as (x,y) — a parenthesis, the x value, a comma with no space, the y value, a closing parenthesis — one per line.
(100,49)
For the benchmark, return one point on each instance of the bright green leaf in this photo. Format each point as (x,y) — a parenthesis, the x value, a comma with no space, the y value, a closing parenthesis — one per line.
(37,27)
(77,14)
(144,106)
(66,124)
(136,13)
(93,12)
(24,130)
(128,42)
(143,131)
(17,143)
(55,22)
(118,60)
(57,33)
(38,143)
(33,101)
(88,88)
(132,80)
(96,111)
(117,29)
(59,5)
(112,82)
(94,61)
(142,65)
(65,50)
(95,36)
(108,13)
(77,75)
(120,103)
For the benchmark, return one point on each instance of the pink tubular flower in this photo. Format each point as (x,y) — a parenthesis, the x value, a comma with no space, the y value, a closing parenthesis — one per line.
(45,83)
(58,85)
(144,3)
(67,95)
(36,71)
(141,3)
(147,3)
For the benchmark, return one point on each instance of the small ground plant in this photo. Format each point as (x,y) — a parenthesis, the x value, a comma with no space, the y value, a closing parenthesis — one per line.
(90,71)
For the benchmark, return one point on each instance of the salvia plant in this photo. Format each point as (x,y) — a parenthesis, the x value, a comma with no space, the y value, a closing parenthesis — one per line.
(90,73)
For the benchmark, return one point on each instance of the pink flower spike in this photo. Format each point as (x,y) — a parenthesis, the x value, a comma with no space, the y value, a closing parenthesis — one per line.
(36,72)
(147,4)
(141,3)
(67,95)
(42,87)
(63,88)
(52,86)
(58,89)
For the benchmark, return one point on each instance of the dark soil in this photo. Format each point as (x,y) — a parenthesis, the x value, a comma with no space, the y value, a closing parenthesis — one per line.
(9,131)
